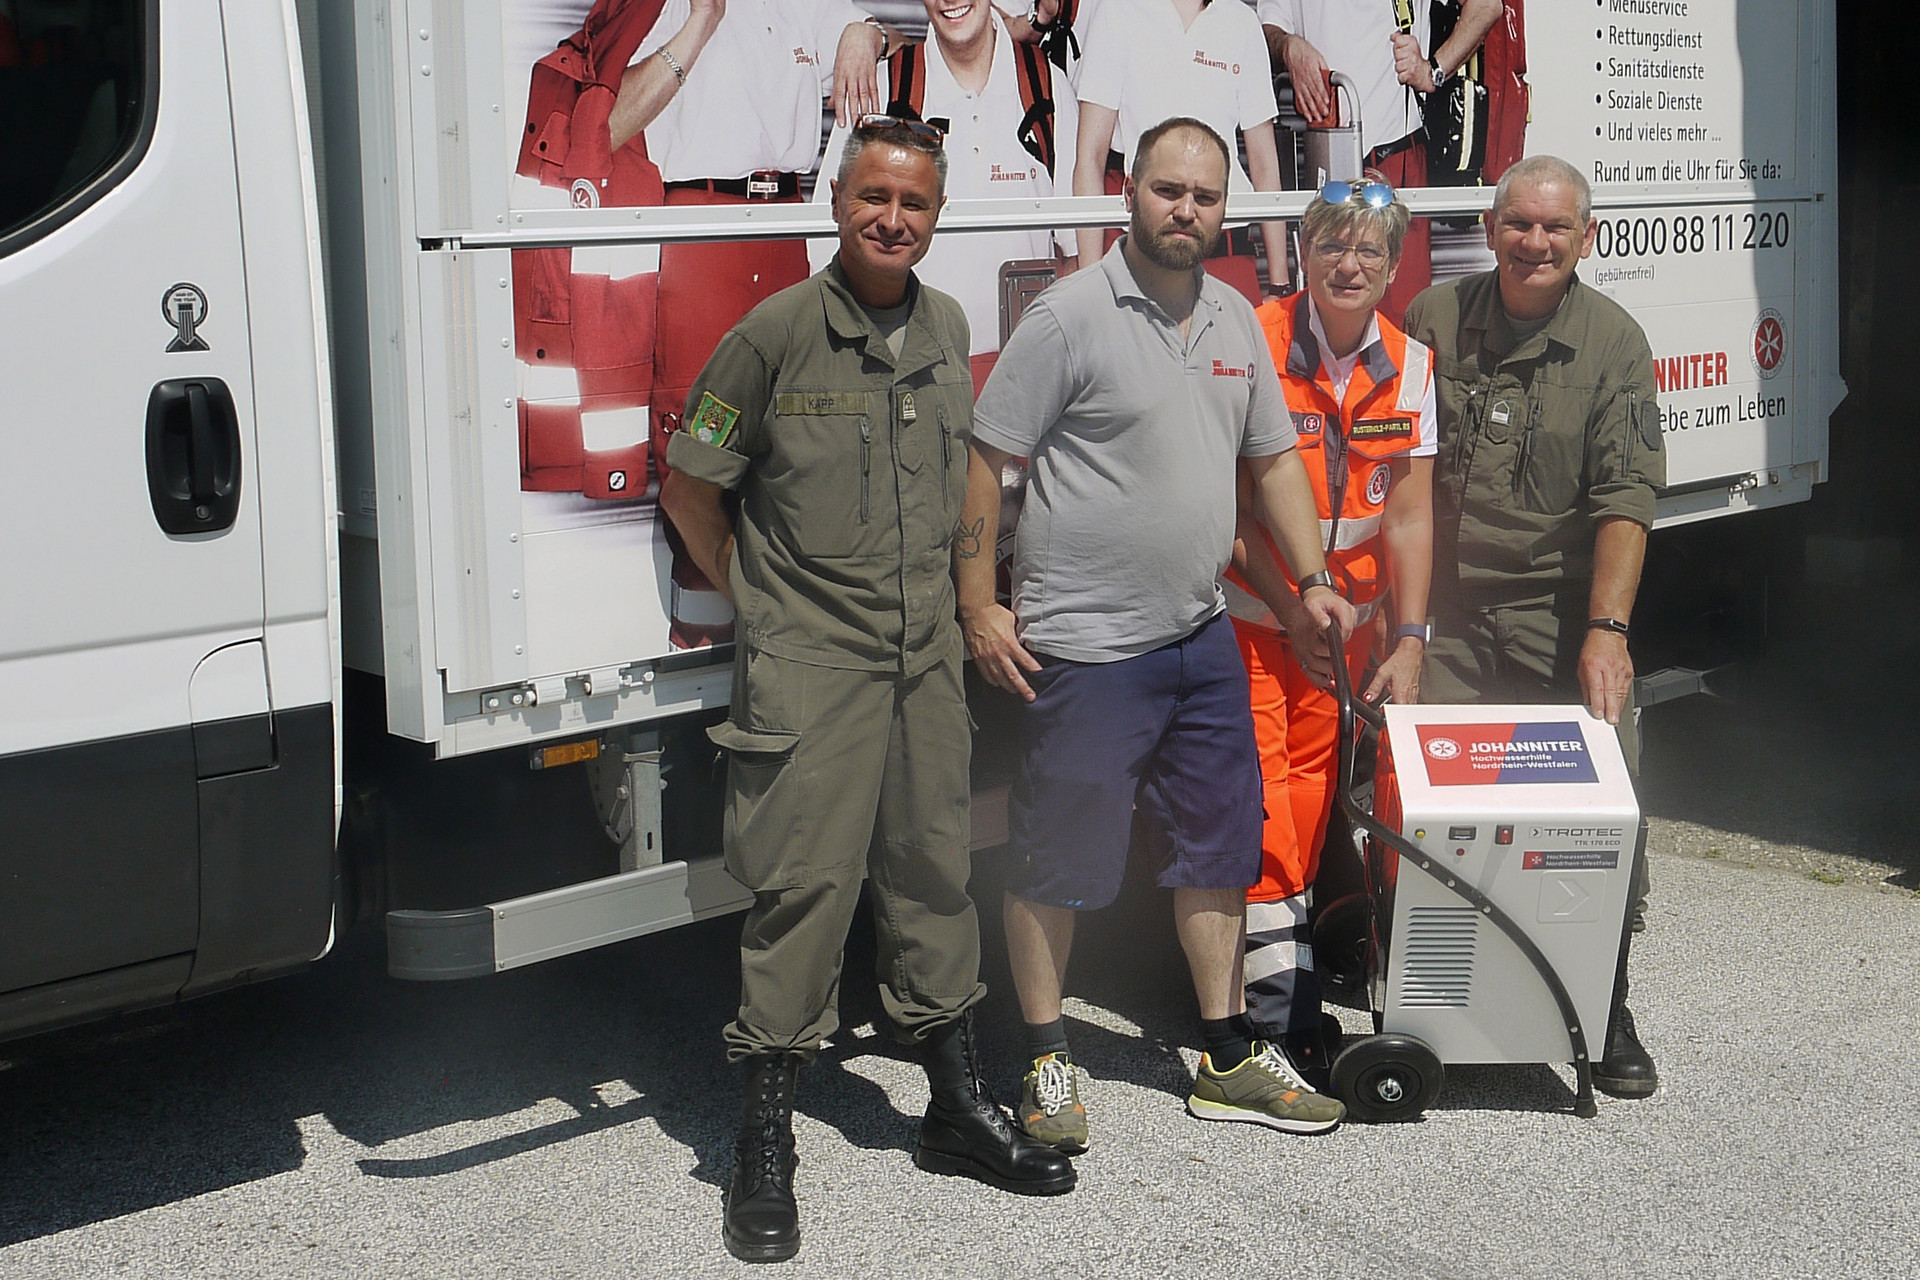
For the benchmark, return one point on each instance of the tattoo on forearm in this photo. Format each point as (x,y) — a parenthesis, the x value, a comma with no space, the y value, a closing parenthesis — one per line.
(966,538)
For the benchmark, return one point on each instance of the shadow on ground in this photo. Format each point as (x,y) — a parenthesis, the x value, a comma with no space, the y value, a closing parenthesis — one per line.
(1812,744)
(108,1120)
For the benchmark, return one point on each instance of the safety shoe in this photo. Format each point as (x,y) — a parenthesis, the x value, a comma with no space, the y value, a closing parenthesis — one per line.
(1626,1069)
(1265,1089)
(1050,1107)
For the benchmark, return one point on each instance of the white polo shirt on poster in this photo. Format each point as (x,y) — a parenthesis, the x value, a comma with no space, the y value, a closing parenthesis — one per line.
(753,98)
(1140,62)
(985,161)
(1357,40)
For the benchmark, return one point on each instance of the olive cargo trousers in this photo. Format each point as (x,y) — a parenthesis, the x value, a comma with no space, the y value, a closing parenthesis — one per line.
(833,773)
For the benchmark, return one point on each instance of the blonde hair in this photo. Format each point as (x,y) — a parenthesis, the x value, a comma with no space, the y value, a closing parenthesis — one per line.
(1338,220)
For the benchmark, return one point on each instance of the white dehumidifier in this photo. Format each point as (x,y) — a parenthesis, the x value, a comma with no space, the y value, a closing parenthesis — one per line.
(1500,855)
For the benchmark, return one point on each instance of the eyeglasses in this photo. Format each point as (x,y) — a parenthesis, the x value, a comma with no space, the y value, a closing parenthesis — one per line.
(1375,195)
(1331,252)
(876,123)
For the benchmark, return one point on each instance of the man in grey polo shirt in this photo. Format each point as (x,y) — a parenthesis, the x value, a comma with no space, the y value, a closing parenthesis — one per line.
(1136,391)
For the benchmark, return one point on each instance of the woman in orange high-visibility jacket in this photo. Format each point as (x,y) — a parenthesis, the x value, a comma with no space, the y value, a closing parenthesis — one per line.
(1361,395)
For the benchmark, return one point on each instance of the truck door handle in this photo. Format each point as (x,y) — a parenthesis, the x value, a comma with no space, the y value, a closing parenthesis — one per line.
(193,455)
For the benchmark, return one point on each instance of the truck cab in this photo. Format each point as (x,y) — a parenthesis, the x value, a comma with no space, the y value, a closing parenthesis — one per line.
(168,764)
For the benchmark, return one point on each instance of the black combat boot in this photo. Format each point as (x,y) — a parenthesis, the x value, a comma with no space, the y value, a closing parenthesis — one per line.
(967,1133)
(1625,1070)
(761,1221)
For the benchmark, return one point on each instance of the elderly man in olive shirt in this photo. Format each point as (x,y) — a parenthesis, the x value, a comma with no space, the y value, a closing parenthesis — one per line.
(1550,453)
(839,411)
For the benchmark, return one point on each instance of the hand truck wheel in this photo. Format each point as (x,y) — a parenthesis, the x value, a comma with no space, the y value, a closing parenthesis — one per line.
(1386,1079)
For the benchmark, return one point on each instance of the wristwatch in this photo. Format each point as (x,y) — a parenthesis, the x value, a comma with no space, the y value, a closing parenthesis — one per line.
(885,41)
(1421,631)
(1312,580)
(1614,625)
(1439,76)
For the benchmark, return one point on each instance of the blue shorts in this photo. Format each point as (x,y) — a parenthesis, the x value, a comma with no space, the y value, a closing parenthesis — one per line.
(1170,730)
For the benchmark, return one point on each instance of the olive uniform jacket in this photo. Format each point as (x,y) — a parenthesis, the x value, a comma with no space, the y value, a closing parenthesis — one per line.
(1540,439)
(851,466)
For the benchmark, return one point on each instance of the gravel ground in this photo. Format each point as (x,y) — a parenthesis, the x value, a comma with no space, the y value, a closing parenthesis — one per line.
(573,1120)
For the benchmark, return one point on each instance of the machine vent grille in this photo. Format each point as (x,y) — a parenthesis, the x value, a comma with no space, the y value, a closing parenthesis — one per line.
(1436,958)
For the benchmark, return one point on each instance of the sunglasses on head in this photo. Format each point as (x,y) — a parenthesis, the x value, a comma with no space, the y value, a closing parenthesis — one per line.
(877,123)
(1375,195)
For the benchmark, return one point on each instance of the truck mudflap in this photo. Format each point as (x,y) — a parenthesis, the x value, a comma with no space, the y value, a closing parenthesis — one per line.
(469,942)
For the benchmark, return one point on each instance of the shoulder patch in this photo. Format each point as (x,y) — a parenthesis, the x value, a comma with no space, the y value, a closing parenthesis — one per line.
(713,421)
(1650,424)
(1381,429)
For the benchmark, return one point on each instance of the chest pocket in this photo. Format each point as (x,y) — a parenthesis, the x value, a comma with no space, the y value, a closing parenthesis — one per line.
(933,444)
(1551,448)
(1460,392)
(823,450)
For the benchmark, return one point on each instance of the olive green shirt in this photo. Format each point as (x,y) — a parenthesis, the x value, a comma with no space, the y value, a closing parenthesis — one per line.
(1541,437)
(851,466)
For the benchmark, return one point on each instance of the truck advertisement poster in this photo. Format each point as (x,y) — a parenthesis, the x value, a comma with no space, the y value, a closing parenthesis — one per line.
(1699,122)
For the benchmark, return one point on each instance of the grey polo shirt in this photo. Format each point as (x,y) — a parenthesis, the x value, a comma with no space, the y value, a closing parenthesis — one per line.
(1132,441)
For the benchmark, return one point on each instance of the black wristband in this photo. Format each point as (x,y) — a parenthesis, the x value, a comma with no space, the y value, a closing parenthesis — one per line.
(1312,580)
(1614,625)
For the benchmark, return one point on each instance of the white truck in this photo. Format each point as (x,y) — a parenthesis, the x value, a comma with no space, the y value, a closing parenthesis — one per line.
(278,547)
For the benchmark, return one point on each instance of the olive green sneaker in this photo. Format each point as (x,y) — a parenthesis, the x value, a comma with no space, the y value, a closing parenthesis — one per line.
(1050,1109)
(1265,1089)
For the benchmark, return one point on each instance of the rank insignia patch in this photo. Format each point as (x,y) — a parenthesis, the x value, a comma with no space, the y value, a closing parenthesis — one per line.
(714,420)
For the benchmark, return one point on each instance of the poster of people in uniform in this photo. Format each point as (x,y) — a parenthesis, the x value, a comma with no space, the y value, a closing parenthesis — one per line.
(697,103)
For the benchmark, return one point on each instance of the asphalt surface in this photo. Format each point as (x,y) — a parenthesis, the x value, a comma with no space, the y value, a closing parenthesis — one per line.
(574,1119)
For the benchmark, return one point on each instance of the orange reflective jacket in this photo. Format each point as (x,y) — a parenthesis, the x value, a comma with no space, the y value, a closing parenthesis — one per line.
(1347,445)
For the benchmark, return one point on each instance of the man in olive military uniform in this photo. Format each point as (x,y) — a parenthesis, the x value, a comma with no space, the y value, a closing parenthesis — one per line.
(839,412)
(1549,457)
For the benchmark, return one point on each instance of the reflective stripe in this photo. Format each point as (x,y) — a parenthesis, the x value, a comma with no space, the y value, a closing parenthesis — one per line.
(548,383)
(1413,380)
(700,608)
(1354,531)
(614,428)
(1247,607)
(1278,957)
(1276,916)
